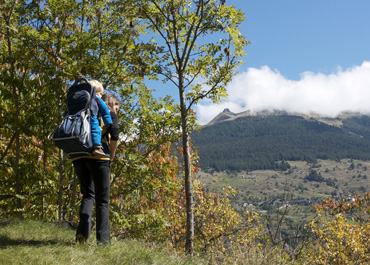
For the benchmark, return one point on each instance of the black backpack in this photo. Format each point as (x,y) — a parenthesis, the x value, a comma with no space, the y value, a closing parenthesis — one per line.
(73,134)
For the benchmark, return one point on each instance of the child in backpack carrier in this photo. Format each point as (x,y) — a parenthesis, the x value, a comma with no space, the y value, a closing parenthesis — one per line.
(95,126)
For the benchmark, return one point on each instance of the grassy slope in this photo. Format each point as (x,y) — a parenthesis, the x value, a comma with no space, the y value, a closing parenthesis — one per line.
(34,242)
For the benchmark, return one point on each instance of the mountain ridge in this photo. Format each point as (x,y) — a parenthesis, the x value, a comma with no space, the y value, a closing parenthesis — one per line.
(263,140)
(227,115)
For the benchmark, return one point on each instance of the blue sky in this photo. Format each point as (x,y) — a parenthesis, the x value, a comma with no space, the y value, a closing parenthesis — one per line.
(305,56)
(295,36)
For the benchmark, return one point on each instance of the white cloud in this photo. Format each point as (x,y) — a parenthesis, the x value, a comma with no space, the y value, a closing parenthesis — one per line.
(329,95)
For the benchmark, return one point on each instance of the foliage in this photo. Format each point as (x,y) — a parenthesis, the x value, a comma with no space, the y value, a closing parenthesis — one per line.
(220,231)
(143,190)
(317,177)
(188,48)
(314,176)
(44,46)
(342,230)
(193,61)
(149,203)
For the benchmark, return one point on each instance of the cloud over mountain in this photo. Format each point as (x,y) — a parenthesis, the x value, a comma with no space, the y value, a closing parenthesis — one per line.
(264,88)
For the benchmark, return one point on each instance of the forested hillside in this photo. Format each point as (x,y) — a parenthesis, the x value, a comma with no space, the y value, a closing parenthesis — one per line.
(259,142)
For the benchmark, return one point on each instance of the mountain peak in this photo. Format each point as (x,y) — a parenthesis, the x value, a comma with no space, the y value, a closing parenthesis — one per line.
(227,115)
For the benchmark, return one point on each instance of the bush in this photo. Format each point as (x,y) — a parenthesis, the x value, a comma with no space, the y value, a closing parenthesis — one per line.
(343,231)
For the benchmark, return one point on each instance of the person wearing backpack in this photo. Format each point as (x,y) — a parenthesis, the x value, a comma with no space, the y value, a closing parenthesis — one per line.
(93,173)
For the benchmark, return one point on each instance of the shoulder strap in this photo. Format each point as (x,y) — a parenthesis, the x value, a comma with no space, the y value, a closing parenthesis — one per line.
(86,85)
(105,134)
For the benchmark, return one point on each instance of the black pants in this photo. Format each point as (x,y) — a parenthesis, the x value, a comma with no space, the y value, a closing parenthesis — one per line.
(94,177)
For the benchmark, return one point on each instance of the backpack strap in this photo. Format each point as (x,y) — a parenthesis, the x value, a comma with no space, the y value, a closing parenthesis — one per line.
(105,134)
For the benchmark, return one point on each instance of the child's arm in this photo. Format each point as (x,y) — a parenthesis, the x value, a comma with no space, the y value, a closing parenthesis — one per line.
(105,113)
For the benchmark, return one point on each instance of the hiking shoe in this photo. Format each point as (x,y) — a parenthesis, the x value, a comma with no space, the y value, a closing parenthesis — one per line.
(80,238)
(98,151)
(104,243)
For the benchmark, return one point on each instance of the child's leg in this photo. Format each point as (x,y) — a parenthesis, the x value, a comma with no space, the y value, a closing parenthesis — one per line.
(95,131)
(96,137)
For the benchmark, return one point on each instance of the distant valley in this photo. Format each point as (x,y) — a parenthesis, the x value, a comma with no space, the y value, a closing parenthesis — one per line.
(293,192)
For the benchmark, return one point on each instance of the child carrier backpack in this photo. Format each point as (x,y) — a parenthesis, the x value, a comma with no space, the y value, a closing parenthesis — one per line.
(73,134)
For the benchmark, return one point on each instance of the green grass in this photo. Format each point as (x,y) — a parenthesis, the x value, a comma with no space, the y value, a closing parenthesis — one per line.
(36,242)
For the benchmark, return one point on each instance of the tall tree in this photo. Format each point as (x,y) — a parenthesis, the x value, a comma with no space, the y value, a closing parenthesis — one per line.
(199,47)
(44,45)
(17,82)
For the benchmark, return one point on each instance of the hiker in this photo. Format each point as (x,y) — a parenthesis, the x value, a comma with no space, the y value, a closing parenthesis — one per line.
(95,124)
(93,173)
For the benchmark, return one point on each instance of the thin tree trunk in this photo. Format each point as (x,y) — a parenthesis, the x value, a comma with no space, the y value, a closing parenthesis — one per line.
(73,196)
(61,156)
(43,179)
(18,185)
(189,245)
(61,182)
(17,177)
(62,172)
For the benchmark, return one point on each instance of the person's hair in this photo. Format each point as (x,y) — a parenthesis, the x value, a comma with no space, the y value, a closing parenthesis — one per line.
(97,86)
(111,100)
